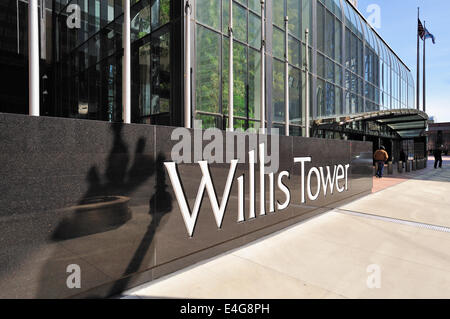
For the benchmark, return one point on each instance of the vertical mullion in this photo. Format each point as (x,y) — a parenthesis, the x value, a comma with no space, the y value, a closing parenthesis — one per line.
(221,66)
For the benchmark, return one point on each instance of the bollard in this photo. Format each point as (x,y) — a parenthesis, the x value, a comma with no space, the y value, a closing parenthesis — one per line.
(390,168)
(414,164)
(400,166)
(408,166)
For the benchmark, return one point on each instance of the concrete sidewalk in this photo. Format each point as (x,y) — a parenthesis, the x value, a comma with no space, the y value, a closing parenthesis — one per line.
(402,232)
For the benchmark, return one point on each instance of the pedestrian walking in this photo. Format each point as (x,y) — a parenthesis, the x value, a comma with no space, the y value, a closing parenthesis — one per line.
(403,158)
(380,156)
(438,156)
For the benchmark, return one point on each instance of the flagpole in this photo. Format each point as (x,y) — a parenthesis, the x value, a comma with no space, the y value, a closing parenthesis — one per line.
(424,87)
(418,62)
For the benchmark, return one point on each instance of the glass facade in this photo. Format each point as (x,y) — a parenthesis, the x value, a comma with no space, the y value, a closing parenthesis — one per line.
(81,57)
(351,69)
(89,61)
(212,63)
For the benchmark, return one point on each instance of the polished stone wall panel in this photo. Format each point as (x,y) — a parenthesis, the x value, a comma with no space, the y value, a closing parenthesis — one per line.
(97,195)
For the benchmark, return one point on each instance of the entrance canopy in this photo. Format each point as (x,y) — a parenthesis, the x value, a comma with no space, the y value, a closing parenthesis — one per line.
(401,123)
(406,123)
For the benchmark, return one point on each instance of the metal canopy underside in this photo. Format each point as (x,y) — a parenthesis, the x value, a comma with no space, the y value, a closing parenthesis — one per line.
(407,123)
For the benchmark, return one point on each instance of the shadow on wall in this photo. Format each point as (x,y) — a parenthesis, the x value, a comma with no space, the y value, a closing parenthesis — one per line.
(104,208)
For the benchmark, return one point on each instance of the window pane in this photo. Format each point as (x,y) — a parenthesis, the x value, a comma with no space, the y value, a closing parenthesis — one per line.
(329,70)
(160,75)
(254,30)
(293,12)
(338,97)
(338,41)
(294,51)
(320,65)
(225,17)
(320,28)
(320,97)
(295,111)
(307,19)
(240,22)
(207,70)
(338,74)
(255,5)
(240,79)
(161,13)
(254,78)
(329,34)
(329,100)
(208,121)
(278,13)
(225,63)
(278,43)
(208,12)
(140,25)
(348,41)
(144,80)
(278,91)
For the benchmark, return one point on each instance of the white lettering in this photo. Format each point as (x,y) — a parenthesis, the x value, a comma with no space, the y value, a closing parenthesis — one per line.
(262,200)
(316,195)
(328,181)
(241,216)
(285,190)
(303,160)
(190,220)
(271,193)
(251,175)
(339,176)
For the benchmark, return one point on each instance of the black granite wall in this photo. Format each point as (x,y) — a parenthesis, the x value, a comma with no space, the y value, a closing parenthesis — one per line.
(98,195)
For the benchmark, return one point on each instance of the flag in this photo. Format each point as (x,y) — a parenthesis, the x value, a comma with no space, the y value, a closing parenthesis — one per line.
(424,33)
(421,30)
(428,35)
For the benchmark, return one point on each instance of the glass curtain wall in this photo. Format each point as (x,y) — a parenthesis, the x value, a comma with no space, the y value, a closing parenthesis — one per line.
(353,70)
(329,86)
(212,63)
(300,18)
(89,60)
(14,54)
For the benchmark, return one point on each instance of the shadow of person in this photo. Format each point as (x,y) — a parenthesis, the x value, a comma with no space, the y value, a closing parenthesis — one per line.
(160,205)
(118,159)
(105,207)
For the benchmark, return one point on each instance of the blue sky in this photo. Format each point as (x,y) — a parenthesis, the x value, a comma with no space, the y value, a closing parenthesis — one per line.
(399,29)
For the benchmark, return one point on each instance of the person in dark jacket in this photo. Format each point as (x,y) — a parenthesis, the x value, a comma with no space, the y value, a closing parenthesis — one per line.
(438,157)
(380,156)
(403,158)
